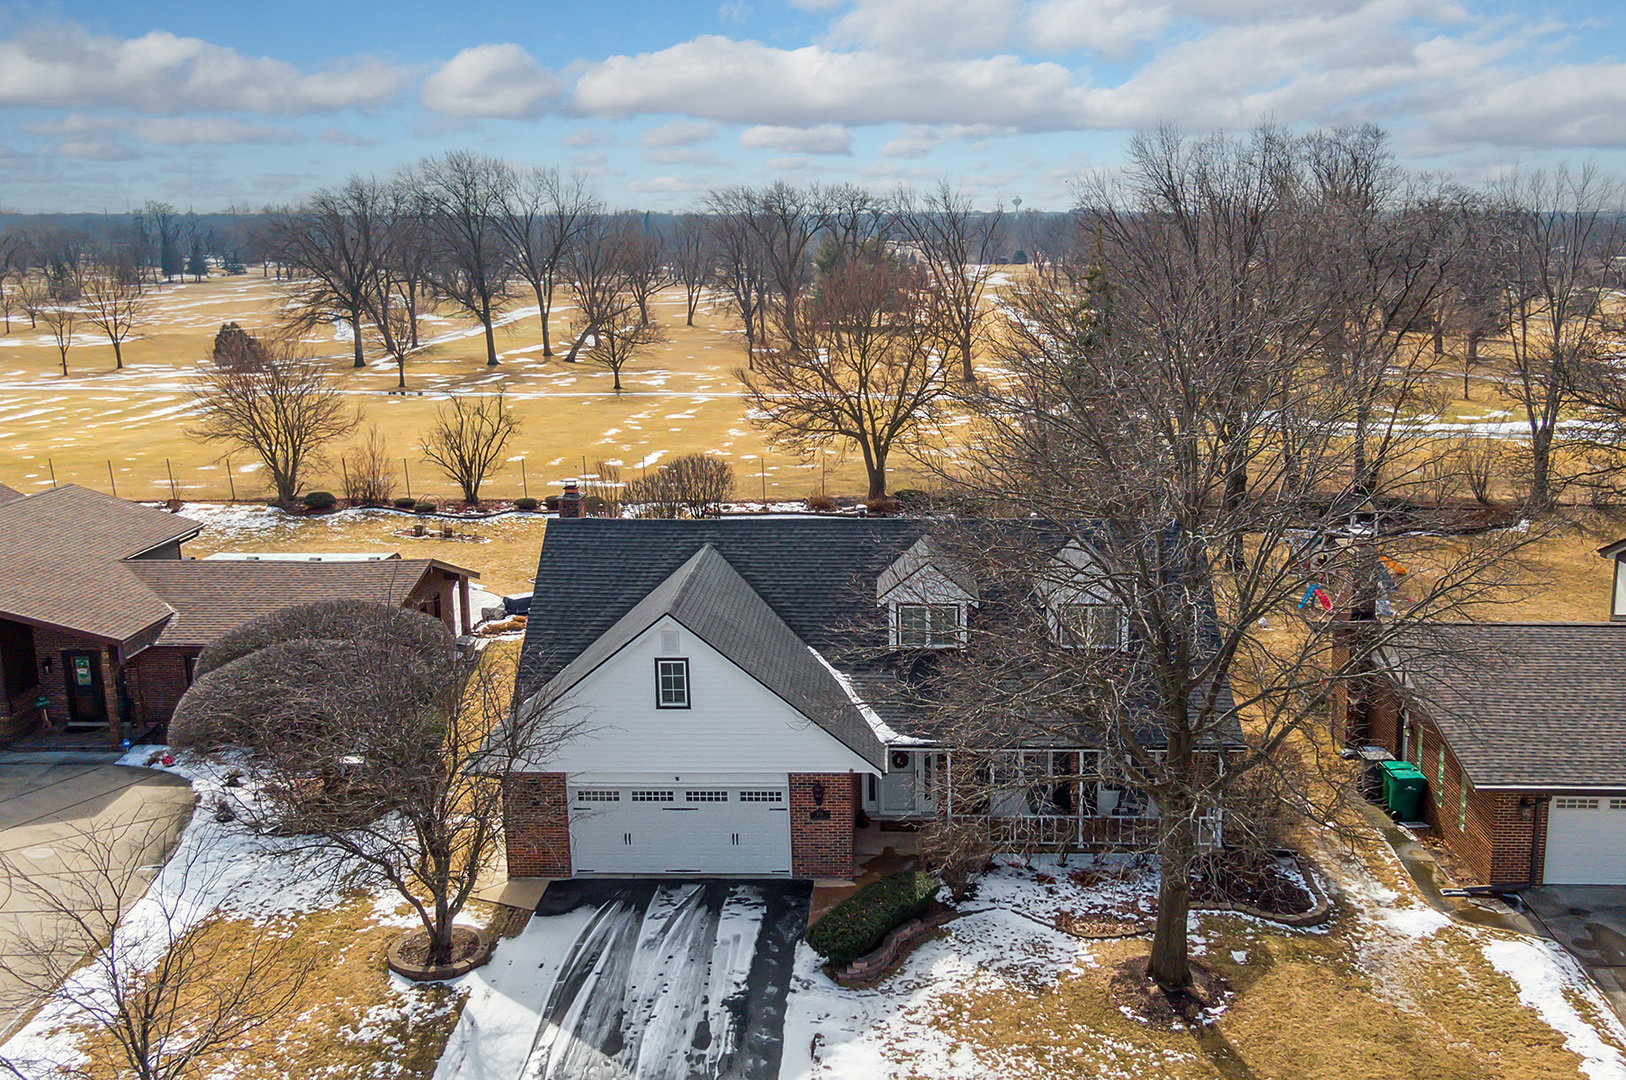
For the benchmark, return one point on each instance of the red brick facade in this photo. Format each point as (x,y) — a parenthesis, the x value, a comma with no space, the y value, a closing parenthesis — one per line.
(536,825)
(157,679)
(822,846)
(1488,832)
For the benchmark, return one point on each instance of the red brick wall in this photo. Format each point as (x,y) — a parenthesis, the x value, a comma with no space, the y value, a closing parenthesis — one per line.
(536,825)
(157,679)
(436,585)
(822,848)
(50,644)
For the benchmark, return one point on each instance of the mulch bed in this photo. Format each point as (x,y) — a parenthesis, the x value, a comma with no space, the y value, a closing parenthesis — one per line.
(465,943)
(1257,883)
(1140,996)
(409,954)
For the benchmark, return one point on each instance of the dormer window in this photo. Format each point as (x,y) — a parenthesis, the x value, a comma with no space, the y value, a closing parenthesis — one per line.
(1091,626)
(928,626)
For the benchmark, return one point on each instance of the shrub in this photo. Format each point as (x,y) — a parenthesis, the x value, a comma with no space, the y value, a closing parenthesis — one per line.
(405,502)
(526,504)
(912,499)
(320,500)
(883,507)
(957,852)
(859,923)
(424,508)
(821,504)
(595,506)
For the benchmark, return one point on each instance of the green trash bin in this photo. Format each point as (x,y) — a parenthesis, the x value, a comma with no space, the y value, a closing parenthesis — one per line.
(1403,788)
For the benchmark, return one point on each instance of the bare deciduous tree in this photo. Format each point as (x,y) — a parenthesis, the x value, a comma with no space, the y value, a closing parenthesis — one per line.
(116,303)
(694,485)
(394,782)
(61,319)
(276,405)
(742,274)
(369,471)
(869,369)
(165,994)
(693,261)
(467,439)
(958,247)
(1114,439)
(463,203)
(547,213)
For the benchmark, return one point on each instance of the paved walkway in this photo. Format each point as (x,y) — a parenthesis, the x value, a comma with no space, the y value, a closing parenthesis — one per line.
(46,799)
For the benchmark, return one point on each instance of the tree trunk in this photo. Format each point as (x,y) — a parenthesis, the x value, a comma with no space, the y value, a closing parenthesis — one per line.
(968,374)
(400,369)
(118,355)
(542,307)
(355,343)
(875,466)
(1541,458)
(1169,964)
(491,340)
(617,373)
(64,361)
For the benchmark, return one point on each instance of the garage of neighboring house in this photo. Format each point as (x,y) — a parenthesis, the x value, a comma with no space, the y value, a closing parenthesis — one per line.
(1520,731)
(1586,840)
(653,827)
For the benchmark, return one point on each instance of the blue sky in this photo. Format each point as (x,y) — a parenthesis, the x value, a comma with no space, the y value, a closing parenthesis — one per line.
(213,105)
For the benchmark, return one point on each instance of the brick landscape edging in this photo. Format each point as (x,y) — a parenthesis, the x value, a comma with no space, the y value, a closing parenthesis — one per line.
(868,969)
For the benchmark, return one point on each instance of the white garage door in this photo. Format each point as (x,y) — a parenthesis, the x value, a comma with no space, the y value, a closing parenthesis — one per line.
(1586,841)
(673,829)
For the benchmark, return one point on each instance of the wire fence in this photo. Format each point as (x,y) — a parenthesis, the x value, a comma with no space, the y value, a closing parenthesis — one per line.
(237,480)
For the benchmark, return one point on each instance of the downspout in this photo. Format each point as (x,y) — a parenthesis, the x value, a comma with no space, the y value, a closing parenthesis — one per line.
(1536,807)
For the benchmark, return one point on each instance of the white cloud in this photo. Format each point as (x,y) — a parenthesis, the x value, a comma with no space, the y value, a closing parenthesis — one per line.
(584,137)
(1574,106)
(744,82)
(681,133)
(341,137)
(824,139)
(167,130)
(918,140)
(491,81)
(1110,28)
(684,155)
(928,27)
(60,66)
(95,150)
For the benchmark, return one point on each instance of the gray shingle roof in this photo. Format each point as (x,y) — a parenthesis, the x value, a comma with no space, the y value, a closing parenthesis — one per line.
(710,598)
(816,573)
(1536,705)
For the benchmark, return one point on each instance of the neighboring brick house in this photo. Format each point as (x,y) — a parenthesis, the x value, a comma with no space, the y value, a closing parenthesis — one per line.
(724,733)
(1520,731)
(101,618)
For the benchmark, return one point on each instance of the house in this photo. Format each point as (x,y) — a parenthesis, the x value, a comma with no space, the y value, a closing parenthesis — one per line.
(728,729)
(1616,553)
(101,618)
(1520,731)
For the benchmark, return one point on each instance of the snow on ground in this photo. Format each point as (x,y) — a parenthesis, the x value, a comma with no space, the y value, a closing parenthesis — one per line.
(216,867)
(1547,978)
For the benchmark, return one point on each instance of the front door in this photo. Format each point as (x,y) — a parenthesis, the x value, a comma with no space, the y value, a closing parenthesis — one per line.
(87,704)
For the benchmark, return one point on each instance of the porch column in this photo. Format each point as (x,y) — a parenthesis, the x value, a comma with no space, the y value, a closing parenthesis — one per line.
(463,603)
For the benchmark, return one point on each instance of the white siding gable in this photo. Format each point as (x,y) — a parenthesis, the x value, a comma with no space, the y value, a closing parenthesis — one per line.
(733,723)
(1075,576)
(916,579)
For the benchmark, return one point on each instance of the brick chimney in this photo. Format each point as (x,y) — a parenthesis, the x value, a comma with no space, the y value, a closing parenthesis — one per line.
(570,503)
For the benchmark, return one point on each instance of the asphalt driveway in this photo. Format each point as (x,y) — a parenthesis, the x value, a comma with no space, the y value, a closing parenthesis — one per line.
(667,980)
(1589,921)
(47,798)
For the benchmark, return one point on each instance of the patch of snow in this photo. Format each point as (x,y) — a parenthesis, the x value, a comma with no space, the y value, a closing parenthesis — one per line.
(1545,975)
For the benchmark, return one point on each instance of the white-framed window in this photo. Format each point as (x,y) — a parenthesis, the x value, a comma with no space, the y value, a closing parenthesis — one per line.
(590,795)
(705,796)
(647,795)
(1570,803)
(672,683)
(1092,626)
(928,626)
(750,795)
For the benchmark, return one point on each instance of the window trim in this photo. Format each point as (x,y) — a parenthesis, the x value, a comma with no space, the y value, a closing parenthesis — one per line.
(1069,627)
(660,694)
(956,635)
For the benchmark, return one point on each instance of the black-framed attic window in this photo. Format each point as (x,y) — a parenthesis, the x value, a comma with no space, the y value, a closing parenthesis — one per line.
(672,683)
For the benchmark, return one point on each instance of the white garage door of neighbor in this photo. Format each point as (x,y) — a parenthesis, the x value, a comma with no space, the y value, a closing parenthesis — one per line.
(1586,841)
(673,829)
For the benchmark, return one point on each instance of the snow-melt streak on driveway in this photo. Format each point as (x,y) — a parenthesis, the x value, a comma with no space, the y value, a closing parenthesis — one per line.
(669,980)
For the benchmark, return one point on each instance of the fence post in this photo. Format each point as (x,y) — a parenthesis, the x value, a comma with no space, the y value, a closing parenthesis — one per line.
(231,480)
(524,482)
(407,473)
(49,464)
(173,494)
(762,465)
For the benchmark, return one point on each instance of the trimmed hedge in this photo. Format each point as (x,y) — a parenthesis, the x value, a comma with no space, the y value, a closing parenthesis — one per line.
(424,508)
(320,500)
(405,502)
(858,924)
(527,504)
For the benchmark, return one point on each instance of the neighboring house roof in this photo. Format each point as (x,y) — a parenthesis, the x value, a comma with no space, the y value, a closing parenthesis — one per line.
(9,493)
(210,598)
(1613,551)
(710,599)
(61,561)
(81,561)
(1525,705)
